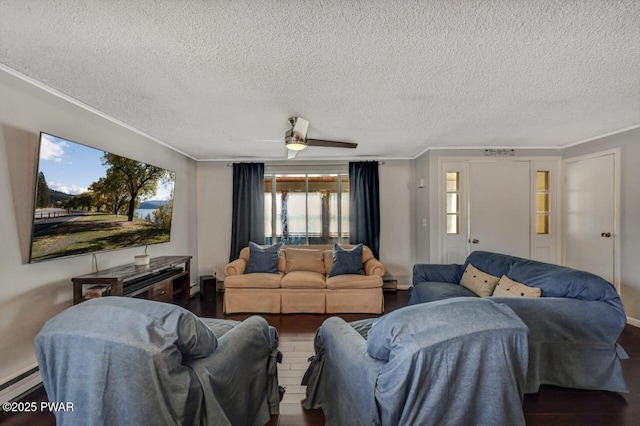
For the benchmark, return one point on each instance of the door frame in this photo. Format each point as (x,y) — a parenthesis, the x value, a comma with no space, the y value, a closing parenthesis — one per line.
(616,206)
(437,200)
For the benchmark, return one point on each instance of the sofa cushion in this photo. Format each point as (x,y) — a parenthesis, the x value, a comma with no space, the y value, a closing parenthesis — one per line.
(347,261)
(255,280)
(303,279)
(479,282)
(435,290)
(509,288)
(328,261)
(262,259)
(354,281)
(304,260)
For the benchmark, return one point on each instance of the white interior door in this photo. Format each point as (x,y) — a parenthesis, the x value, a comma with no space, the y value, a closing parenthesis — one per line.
(499,207)
(590,215)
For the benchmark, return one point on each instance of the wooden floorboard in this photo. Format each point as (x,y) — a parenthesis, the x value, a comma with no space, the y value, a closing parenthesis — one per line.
(550,406)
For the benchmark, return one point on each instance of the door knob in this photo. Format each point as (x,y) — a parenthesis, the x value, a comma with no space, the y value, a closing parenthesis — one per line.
(606,235)
(474,241)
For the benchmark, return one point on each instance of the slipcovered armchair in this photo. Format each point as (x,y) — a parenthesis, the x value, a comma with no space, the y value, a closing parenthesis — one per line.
(454,362)
(129,361)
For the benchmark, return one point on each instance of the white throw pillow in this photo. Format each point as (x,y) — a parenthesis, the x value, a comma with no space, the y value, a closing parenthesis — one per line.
(478,282)
(509,288)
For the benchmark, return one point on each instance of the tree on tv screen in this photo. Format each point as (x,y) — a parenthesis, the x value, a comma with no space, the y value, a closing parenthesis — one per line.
(42,192)
(139,179)
(110,192)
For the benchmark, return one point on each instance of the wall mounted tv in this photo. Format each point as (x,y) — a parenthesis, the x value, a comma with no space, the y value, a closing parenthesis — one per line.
(88,200)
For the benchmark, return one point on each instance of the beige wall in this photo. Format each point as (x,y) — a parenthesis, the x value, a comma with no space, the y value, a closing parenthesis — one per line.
(30,294)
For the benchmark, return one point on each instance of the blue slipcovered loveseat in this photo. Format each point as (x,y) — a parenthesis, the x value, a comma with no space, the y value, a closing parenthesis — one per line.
(573,327)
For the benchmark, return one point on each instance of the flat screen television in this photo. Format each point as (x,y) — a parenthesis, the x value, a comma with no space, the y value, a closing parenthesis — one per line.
(88,200)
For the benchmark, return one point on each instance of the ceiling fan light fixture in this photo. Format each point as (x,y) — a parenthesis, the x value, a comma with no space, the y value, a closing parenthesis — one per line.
(296,145)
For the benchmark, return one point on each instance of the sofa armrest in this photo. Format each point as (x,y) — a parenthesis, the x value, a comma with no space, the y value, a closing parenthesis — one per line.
(374,267)
(347,369)
(241,373)
(237,267)
(441,273)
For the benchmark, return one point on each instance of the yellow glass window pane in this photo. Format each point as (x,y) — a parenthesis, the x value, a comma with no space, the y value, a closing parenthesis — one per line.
(542,180)
(543,221)
(543,203)
(453,224)
(453,181)
(453,203)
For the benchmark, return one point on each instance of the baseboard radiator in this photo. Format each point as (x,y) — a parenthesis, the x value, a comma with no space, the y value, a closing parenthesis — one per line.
(20,384)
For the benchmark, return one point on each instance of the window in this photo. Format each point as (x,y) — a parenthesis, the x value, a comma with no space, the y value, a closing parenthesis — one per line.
(453,202)
(543,208)
(306,208)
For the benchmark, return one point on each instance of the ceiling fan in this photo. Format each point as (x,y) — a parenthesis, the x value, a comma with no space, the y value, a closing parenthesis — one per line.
(296,138)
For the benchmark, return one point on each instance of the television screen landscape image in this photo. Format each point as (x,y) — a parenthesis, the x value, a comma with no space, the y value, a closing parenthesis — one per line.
(88,200)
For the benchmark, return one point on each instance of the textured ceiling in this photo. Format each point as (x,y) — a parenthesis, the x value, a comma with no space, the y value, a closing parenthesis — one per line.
(215,78)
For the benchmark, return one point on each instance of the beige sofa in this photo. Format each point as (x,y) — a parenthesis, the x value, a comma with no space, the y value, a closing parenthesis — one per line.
(303,285)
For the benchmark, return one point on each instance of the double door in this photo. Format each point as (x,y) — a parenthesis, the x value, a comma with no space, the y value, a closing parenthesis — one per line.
(497,209)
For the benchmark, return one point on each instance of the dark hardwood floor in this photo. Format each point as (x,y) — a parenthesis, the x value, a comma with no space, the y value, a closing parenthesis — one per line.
(550,406)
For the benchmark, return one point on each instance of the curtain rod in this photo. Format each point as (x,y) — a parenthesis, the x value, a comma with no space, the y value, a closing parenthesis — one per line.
(301,164)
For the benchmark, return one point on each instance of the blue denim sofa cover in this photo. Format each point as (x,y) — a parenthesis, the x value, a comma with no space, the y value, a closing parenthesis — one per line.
(453,362)
(128,361)
(573,327)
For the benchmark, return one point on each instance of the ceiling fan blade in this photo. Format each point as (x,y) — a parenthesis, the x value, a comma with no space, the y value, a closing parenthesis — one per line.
(300,126)
(255,140)
(291,154)
(331,144)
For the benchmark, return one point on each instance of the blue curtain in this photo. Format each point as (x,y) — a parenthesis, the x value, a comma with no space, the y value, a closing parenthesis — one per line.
(364,205)
(248,206)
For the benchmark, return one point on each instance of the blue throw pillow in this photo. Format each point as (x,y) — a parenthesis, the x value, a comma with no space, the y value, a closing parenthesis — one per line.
(263,259)
(347,261)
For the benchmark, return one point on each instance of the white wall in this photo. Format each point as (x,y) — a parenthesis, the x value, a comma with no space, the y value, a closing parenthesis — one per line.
(629,144)
(30,294)
(397,219)
(423,216)
(397,236)
(215,197)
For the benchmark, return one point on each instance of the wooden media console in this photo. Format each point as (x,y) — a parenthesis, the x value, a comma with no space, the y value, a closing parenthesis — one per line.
(163,279)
